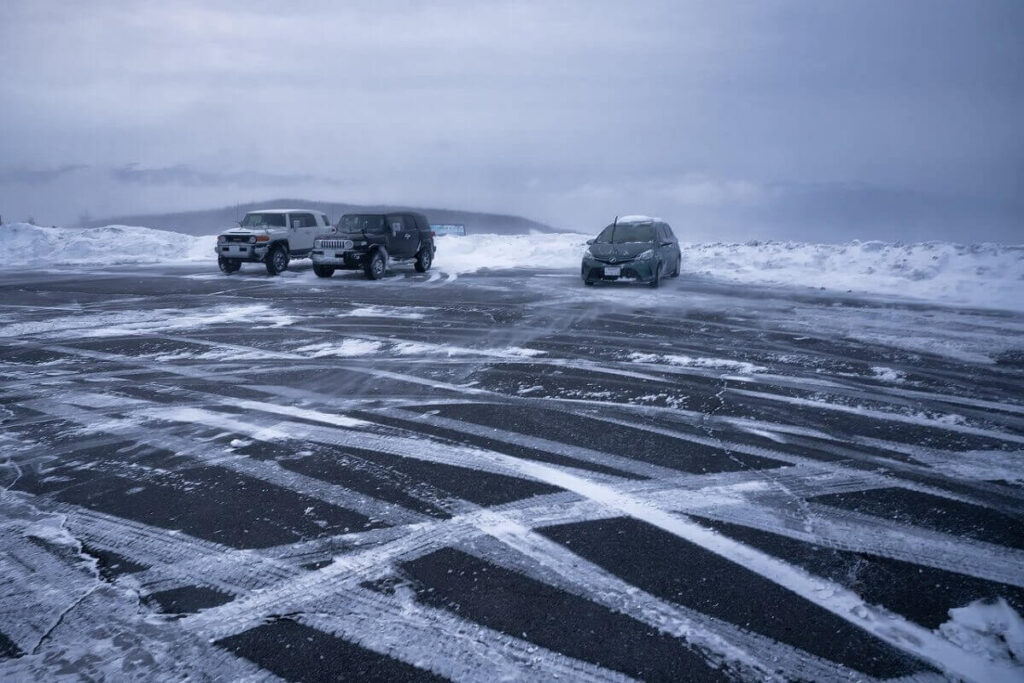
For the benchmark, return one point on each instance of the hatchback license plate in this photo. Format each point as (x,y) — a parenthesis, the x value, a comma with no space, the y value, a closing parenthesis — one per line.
(612,271)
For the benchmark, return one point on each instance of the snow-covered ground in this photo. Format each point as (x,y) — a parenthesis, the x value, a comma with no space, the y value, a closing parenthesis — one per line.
(989,275)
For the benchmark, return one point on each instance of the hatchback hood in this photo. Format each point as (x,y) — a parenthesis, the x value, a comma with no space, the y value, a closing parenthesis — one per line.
(624,251)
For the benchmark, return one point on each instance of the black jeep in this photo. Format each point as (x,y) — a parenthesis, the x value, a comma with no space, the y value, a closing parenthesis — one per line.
(372,241)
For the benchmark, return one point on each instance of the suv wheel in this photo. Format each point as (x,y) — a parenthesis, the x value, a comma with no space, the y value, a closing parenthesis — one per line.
(323,271)
(657,278)
(277,260)
(424,259)
(375,266)
(228,265)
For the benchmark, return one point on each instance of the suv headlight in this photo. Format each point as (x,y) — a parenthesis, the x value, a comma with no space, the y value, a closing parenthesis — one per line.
(645,256)
(221,238)
(252,239)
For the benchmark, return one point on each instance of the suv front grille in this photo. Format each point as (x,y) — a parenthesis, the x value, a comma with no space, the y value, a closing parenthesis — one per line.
(334,244)
(236,238)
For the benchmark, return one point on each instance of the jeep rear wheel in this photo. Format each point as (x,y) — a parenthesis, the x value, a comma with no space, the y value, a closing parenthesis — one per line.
(424,259)
(323,271)
(228,265)
(277,260)
(375,266)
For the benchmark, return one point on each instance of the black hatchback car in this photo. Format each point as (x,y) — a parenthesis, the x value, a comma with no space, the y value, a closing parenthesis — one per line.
(372,241)
(633,248)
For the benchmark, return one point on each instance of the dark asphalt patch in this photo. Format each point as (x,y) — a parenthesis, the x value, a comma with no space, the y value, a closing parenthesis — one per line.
(683,572)
(628,442)
(187,599)
(922,594)
(514,450)
(110,564)
(8,648)
(218,505)
(931,512)
(299,653)
(476,486)
(372,480)
(521,607)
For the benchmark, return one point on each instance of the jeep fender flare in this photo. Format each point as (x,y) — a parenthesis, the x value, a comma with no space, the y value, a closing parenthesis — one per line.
(384,252)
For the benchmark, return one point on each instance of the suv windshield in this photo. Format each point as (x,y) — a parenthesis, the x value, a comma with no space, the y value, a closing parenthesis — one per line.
(261,220)
(627,232)
(361,223)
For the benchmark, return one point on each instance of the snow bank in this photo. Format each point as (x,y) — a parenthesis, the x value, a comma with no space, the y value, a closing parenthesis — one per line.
(990,275)
(475,252)
(25,244)
(983,274)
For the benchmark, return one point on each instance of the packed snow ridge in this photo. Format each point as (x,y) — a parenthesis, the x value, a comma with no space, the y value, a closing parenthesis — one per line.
(989,275)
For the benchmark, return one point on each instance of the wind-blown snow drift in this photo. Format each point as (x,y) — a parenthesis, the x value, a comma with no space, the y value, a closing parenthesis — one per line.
(990,275)
(33,245)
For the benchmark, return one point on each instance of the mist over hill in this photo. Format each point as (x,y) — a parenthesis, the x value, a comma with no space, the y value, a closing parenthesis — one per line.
(210,221)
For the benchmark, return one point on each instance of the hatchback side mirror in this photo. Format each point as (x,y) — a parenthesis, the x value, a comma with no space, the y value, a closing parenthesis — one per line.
(590,241)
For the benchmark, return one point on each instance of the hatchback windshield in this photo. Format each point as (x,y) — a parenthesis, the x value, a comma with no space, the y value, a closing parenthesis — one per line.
(361,223)
(627,232)
(261,220)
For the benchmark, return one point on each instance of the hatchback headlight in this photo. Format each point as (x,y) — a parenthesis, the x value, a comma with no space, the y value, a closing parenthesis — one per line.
(646,256)
(587,253)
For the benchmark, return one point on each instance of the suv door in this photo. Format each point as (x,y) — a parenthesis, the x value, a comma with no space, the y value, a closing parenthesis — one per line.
(302,229)
(401,236)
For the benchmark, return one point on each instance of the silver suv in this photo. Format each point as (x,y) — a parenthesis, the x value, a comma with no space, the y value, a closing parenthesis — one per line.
(270,236)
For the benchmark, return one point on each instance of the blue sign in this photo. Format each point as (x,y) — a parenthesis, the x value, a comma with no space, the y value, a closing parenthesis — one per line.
(449,229)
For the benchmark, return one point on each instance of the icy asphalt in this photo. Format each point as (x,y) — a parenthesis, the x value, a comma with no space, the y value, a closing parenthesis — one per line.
(503,475)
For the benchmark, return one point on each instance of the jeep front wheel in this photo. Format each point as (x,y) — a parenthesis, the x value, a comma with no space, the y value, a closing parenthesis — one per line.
(423,259)
(375,266)
(228,265)
(277,260)
(323,271)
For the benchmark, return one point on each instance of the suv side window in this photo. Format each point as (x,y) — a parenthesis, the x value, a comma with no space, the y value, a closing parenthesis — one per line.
(410,222)
(306,220)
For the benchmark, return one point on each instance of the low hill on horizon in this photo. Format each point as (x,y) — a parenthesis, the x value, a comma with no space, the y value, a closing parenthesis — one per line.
(211,221)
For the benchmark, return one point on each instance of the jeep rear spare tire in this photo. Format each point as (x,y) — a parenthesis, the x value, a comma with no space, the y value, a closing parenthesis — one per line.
(277,259)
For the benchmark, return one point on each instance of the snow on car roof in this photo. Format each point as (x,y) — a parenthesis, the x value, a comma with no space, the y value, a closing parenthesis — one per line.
(638,219)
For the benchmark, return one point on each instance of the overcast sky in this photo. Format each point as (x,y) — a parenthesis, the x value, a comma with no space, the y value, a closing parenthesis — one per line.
(797,120)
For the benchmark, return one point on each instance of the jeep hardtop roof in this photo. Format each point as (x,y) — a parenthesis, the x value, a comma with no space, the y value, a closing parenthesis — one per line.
(285,211)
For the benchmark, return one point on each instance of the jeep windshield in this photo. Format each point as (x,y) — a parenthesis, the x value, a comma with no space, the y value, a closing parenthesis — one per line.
(622,233)
(263,220)
(361,223)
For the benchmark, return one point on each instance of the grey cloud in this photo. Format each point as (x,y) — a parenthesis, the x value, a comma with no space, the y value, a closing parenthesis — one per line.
(37,176)
(183,174)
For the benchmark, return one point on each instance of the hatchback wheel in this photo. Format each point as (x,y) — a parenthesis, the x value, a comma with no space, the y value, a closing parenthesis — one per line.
(657,278)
